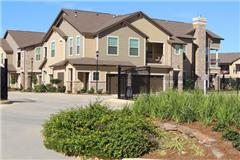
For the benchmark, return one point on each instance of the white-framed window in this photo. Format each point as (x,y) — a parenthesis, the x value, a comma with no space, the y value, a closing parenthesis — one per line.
(95,76)
(2,58)
(112,45)
(38,54)
(134,46)
(78,42)
(53,48)
(70,46)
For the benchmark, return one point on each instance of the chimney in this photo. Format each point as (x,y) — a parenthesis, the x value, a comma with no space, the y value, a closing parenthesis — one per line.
(199,24)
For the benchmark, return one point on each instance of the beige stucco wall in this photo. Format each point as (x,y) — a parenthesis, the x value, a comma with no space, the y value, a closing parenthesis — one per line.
(155,35)
(14,47)
(59,55)
(2,53)
(90,47)
(70,31)
(123,33)
(232,70)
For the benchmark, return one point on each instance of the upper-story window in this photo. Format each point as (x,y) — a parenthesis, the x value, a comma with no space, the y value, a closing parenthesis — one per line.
(177,49)
(38,54)
(95,76)
(237,67)
(70,46)
(2,58)
(18,59)
(78,45)
(112,45)
(134,47)
(53,49)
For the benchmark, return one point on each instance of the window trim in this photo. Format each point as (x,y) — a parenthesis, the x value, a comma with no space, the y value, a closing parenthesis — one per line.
(117,45)
(54,48)
(133,38)
(70,38)
(39,54)
(93,76)
(79,45)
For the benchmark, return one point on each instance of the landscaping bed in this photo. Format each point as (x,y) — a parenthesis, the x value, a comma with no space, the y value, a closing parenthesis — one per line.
(169,125)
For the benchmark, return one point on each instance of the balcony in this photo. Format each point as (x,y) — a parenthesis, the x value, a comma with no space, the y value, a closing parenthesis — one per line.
(154,53)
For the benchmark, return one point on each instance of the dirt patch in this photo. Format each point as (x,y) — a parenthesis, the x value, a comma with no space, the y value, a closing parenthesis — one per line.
(195,150)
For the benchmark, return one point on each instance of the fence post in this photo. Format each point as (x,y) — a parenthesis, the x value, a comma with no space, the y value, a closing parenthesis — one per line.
(119,81)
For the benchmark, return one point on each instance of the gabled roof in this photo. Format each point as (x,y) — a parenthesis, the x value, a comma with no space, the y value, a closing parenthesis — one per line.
(5,46)
(182,29)
(226,58)
(25,38)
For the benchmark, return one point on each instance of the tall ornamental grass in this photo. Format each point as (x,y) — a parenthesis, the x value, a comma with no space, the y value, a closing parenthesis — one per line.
(191,106)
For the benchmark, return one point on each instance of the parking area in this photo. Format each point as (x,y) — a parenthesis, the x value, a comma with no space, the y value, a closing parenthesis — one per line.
(21,122)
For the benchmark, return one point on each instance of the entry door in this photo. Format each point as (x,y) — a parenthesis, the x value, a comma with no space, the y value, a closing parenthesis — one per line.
(175,79)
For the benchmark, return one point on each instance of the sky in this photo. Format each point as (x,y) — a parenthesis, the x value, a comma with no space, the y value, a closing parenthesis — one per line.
(223,17)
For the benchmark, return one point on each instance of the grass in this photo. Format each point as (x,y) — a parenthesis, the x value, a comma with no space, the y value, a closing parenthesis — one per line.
(187,107)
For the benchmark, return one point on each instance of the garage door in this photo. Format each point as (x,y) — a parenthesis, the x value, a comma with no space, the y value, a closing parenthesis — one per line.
(156,83)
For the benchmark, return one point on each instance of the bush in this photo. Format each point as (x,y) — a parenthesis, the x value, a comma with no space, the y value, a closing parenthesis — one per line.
(55,81)
(91,91)
(231,135)
(50,88)
(40,88)
(96,131)
(34,78)
(100,91)
(84,90)
(61,89)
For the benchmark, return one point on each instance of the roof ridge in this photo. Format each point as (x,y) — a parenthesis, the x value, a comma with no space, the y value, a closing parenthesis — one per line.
(25,31)
(171,21)
(87,11)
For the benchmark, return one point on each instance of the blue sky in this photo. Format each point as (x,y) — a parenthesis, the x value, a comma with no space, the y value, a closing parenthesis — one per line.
(222,17)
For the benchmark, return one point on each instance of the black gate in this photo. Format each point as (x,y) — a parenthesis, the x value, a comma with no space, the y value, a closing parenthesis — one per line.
(4,82)
(133,82)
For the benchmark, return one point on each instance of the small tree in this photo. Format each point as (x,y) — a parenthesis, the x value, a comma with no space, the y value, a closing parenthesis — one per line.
(13,79)
(34,78)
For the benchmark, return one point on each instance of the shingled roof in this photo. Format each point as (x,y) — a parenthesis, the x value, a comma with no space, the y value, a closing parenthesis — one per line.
(5,46)
(182,29)
(25,38)
(226,58)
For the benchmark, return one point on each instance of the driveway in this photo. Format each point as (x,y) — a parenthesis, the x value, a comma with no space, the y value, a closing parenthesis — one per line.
(21,122)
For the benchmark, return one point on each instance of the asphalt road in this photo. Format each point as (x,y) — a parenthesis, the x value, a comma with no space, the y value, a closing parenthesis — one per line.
(21,123)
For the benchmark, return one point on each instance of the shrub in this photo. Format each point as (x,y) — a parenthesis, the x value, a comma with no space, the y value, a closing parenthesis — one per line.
(83,90)
(96,131)
(34,78)
(231,135)
(61,89)
(55,81)
(236,144)
(100,91)
(91,91)
(50,88)
(13,79)
(40,88)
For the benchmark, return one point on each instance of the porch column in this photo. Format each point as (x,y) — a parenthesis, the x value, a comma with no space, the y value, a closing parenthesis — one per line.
(217,61)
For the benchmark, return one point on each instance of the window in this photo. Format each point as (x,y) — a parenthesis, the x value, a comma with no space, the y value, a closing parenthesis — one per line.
(38,54)
(178,49)
(78,45)
(112,45)
(70,46)
(95,76)
(18,59)
(237,67)
(133,47)
(2,59)
(149,50)
(53,49)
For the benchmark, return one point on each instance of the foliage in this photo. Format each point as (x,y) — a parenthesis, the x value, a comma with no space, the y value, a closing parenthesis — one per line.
(83,90)
(50,88)
(61,89)
(34,78)
(224,110)
(100,91)
(40,88)
(55,81)
(95,131)
(231,135)
(188,84)
(13,79)
(91,91)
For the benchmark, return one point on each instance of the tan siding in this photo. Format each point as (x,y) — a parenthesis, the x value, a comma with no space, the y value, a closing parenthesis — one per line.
(90,47)
(124,34)
(70,31)
(232,70)
(14,47)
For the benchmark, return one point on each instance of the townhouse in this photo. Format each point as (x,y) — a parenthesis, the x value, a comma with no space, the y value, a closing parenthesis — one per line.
(175,51)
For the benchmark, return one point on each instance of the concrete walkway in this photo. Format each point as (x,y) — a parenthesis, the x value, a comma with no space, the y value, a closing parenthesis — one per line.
(21,122)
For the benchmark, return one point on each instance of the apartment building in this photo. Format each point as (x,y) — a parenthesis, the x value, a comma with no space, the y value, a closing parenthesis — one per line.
(173,50)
